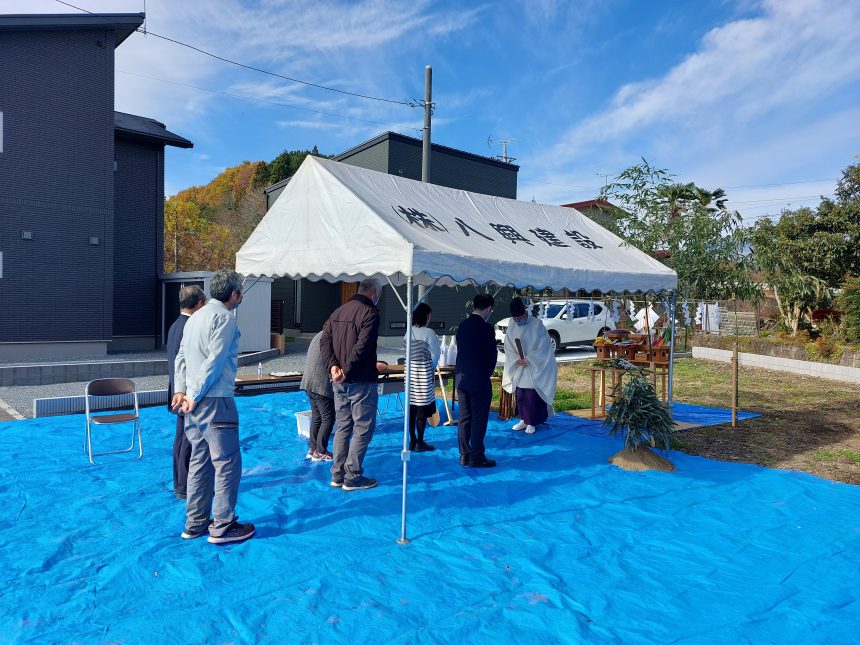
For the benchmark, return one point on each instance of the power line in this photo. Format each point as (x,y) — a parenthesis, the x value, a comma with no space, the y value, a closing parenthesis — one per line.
(255,69)
(250,98)
(780,199)
(787,183)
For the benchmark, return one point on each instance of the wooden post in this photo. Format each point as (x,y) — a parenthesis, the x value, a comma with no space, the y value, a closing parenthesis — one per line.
(735,371)
(735,386)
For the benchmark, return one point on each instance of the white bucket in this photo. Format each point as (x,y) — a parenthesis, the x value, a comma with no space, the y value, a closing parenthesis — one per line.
(303,422)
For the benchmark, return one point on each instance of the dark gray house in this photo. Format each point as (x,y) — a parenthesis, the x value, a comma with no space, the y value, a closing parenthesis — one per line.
(305,305)
(81,193)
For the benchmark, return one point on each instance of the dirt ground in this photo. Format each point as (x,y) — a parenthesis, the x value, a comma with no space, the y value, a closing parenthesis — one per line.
(807,424)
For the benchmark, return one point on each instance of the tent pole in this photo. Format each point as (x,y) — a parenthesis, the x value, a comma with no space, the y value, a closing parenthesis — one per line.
(396,293)
(404,455)
(672,346)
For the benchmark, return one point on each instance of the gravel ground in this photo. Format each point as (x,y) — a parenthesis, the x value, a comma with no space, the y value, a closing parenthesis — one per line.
(20,398)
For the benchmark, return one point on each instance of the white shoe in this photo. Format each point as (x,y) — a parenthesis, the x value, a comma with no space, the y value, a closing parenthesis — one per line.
(530,429)
(520,426)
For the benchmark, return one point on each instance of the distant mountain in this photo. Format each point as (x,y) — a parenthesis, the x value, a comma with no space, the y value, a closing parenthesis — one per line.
(204,226)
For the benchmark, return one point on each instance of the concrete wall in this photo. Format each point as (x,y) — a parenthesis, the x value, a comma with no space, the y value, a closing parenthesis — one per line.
(807,368)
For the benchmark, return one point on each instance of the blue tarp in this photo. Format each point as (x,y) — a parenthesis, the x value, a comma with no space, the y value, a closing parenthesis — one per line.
(554,545)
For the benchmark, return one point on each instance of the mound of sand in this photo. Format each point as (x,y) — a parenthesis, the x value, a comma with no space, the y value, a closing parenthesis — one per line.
(641,459)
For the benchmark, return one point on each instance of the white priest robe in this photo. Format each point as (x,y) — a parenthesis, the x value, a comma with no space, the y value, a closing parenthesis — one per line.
(541,373)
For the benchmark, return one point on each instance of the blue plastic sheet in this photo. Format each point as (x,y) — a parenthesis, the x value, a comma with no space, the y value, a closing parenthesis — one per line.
(554,545)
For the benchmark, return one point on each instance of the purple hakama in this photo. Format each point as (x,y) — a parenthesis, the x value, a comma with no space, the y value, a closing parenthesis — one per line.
(530,407)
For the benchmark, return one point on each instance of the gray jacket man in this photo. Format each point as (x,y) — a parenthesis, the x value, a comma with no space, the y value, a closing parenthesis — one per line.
(205,372)
(348,349)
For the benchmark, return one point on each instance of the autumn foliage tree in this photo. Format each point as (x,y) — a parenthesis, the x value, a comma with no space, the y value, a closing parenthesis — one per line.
(204,226)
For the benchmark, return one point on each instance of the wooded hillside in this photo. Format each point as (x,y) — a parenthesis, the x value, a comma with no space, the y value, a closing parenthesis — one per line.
(204,226)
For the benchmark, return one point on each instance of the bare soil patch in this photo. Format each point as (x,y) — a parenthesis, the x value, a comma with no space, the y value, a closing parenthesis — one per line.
(807,424)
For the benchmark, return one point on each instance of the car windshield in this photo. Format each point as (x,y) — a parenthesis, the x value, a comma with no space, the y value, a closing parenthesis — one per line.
(551,310)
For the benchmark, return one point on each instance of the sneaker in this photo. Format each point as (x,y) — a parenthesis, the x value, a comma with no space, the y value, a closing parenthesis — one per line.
(530,429)
(360,483)
(323,456)
(192,535)
(520,426)
(235,533)
(422,446)
(310,454)
(336,483)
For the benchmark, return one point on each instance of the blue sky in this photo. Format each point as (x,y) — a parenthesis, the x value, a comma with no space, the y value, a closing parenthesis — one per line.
(757,97)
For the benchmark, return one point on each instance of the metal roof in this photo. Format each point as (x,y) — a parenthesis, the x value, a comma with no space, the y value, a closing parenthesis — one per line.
(124,24)
(140,127)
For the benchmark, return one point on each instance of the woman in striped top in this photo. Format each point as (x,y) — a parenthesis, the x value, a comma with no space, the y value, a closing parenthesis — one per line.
(422,391)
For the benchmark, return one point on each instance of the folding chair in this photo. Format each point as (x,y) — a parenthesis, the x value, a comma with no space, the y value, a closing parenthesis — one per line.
(112,387)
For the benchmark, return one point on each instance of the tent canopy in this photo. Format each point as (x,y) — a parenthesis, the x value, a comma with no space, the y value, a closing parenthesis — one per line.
(336,222)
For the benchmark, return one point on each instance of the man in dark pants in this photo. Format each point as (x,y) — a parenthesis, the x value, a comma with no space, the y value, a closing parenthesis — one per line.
(476,360)
(191,299)
(348,349)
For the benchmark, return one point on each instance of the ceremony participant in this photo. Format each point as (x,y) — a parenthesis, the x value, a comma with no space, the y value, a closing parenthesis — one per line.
(191,298)
(205,376)
(317,385)
(476,360)
(348,349)
(426,350)
(533,378)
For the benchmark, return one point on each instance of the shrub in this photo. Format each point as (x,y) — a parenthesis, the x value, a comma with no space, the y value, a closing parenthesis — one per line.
(637,413)
(850,305)
(824,350)
(826,313)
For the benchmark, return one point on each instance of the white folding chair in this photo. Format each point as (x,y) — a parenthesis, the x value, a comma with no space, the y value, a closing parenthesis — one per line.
(104,387)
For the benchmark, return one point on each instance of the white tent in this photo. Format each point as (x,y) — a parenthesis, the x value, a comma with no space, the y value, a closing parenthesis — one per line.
(338,222)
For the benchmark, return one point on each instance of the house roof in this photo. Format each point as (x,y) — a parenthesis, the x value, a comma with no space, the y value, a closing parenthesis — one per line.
(402,138)
(590,203)
(277,185)
(124,24)
(142,128)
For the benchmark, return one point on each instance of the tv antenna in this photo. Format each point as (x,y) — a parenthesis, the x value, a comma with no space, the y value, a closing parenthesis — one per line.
(504,143)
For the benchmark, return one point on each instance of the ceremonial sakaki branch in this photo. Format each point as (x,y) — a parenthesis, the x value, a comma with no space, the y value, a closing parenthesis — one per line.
(337,222)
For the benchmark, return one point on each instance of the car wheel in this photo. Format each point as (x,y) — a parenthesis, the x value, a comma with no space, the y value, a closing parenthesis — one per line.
(555,341)
(603,330)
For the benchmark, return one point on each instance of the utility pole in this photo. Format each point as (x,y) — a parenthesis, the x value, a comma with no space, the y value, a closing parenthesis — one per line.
(425,152)
(428,112)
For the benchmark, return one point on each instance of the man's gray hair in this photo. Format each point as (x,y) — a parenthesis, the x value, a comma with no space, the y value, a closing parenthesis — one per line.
(224,283)
(189,296)
(369,284)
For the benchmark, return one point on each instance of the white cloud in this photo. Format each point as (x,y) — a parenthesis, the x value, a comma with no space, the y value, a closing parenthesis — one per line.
(749,102)
(298,39)
(742,70)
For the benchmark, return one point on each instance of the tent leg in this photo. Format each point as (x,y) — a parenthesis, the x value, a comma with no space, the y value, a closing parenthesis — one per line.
(405,454)
(672,346)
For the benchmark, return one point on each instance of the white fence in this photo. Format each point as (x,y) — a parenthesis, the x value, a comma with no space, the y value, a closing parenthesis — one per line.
(807,368)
